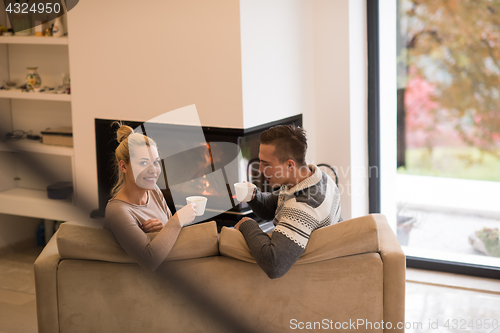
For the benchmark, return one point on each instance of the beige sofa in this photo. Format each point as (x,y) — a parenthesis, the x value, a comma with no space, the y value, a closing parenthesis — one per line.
(351,278)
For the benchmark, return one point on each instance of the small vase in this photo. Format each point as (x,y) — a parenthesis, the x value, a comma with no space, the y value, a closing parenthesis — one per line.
(33,80)
(58,28)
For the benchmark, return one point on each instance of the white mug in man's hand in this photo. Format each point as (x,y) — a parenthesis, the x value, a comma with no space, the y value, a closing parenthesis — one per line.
(244,191)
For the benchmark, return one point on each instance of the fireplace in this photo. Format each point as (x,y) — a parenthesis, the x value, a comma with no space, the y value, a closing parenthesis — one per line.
(206,165)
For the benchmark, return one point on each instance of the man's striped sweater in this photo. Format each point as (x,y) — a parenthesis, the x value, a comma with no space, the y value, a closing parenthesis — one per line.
(296,212)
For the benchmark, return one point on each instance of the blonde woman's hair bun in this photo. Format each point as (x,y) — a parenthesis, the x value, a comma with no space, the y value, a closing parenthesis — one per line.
(123,132)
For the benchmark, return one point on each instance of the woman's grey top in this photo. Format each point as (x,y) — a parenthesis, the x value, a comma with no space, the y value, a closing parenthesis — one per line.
(124,220)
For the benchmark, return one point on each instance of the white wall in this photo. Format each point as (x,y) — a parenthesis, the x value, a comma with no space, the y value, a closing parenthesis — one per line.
(309,57)
(276,59)
(129,66)
(340,86)
(242,63)
(358,95)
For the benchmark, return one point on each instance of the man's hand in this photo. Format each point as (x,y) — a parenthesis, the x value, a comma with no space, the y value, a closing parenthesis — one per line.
(253,194)
(152,225)
(237,226)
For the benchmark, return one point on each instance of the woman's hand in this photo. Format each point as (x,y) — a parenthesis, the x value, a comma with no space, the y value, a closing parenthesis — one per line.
(152,225)
(186,214)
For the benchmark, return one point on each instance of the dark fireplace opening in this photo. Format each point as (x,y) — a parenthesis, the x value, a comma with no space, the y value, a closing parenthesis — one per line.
(191,169)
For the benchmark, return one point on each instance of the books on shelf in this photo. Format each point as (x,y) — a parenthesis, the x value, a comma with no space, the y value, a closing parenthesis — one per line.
(60,136)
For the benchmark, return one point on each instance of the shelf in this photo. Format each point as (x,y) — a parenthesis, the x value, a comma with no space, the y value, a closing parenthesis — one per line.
(35,147)
(34,203)
(33,40)
(17,94)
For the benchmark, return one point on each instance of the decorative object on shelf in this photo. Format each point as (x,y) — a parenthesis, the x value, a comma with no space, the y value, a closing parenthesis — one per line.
(60,190)
(16,135)
(40,28)
(66,83)
(21,23)
(47,89)
(3,29)
(60,136)
(48,31)
(9,85)
(33,80)
(58,28)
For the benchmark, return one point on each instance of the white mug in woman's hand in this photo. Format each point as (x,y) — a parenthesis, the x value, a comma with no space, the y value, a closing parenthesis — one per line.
(200,204)
(186,214)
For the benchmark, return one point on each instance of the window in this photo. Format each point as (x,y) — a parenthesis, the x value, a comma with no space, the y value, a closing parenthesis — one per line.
(442,177)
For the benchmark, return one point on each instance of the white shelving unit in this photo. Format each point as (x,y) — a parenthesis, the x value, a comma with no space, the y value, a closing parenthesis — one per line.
(33,40)
(40,96)
(35,147)
(34,203)
(22,186)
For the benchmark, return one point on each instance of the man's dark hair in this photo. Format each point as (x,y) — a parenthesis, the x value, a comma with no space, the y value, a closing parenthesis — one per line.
(290,142)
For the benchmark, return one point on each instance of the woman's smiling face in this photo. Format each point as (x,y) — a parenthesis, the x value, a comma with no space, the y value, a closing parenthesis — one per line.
(145,163)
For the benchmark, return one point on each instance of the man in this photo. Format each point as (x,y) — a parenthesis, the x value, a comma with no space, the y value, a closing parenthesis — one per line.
(307,200)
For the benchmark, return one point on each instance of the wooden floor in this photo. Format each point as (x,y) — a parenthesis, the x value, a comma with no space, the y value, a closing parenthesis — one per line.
(17,291)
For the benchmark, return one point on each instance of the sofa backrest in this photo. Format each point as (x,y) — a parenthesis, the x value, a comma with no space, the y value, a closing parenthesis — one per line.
(350,237)
(81,242)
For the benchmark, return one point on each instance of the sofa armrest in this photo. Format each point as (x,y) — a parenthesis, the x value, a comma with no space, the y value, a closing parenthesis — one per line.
(46,287)
(394,261)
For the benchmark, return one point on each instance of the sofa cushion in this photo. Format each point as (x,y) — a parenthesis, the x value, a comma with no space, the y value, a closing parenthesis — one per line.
(350,237)
(81,242)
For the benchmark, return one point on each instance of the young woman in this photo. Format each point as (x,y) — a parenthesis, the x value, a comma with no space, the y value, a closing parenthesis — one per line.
(137,205)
